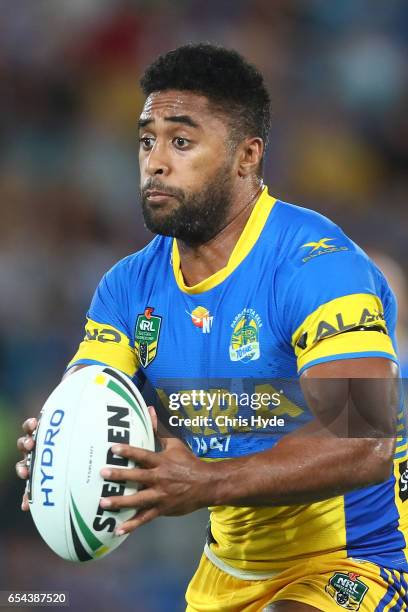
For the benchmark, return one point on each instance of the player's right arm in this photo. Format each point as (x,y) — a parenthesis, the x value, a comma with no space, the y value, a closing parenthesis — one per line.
(26,443)
(107,341)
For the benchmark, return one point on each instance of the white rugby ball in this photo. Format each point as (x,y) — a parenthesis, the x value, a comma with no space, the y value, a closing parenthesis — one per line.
(87,413)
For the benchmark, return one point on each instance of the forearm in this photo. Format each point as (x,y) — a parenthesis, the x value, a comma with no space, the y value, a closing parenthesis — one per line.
(321,460)
(300,470)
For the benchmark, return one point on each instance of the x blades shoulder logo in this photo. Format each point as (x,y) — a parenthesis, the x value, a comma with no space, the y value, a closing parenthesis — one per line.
(321,248)
(147,332)
(318,245)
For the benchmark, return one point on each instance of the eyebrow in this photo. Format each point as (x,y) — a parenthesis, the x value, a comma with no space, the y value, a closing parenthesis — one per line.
(186,119)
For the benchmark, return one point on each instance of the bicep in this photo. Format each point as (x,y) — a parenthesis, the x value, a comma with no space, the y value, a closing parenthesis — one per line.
(354,397)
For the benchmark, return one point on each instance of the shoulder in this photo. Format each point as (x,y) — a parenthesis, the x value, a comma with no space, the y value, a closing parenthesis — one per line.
(327,285)
(132,266)
(310,243)
(305,234)
(317,262)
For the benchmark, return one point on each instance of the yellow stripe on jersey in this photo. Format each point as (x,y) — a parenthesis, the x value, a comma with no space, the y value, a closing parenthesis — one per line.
(322,332)
(247,240)
(106,344)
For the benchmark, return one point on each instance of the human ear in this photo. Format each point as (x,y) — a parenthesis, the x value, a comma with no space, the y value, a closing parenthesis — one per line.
(250,153)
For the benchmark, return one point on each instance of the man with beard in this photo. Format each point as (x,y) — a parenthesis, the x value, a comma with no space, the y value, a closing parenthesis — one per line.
(241,287)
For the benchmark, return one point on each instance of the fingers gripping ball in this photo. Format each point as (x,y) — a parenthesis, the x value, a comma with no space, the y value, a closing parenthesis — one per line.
(85,415)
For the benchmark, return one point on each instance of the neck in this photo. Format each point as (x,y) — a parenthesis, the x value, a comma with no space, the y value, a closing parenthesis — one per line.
(198,262)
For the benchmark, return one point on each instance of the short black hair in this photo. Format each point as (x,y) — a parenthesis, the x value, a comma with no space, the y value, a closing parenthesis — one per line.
(229,82)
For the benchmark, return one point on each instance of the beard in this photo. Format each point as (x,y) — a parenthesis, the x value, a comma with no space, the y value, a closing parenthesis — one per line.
(198,217)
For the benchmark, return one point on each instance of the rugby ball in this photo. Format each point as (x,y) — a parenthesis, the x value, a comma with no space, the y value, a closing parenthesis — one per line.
(87,413)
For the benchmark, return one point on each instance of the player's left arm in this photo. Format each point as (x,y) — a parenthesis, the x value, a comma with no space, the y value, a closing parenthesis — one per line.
(350,445)
(315,463)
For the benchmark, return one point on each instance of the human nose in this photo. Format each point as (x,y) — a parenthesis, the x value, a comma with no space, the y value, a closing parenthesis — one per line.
(156,161)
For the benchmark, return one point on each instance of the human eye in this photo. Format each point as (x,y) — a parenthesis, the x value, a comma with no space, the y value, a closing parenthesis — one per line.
(180,142)
(146,142)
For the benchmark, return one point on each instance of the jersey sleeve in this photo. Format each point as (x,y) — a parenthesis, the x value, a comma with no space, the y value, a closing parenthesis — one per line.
(335,308)
(107,332)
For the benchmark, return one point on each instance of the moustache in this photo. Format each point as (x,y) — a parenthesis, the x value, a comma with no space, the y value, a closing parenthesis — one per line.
(152,184)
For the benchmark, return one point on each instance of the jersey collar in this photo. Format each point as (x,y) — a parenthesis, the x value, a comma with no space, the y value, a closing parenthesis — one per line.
(245,243)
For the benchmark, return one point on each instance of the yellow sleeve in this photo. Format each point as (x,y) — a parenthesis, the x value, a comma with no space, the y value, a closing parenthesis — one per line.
(347,327)
(105,344)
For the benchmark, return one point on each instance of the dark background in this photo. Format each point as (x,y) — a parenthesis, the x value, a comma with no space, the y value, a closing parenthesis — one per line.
(69,101)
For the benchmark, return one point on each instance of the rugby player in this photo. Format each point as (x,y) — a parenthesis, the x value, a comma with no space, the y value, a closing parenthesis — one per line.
(239,285)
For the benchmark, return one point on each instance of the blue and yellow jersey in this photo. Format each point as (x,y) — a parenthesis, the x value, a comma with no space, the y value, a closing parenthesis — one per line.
(295,292)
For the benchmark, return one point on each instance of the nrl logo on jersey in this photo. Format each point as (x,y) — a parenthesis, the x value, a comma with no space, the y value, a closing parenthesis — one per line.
(147,332)
(347,590)
(321,248)
(244,343)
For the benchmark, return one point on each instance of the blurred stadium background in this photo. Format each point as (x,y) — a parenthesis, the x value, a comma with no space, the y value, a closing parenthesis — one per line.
(69,69)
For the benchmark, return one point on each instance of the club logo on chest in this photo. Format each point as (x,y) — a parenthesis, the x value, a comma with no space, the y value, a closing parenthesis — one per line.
(244,343)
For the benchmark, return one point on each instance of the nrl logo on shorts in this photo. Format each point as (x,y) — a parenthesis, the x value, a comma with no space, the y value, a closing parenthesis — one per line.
(347,590)
(147,333)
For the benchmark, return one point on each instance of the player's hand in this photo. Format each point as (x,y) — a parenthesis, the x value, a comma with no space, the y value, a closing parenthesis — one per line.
(25,444)
(174,483)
